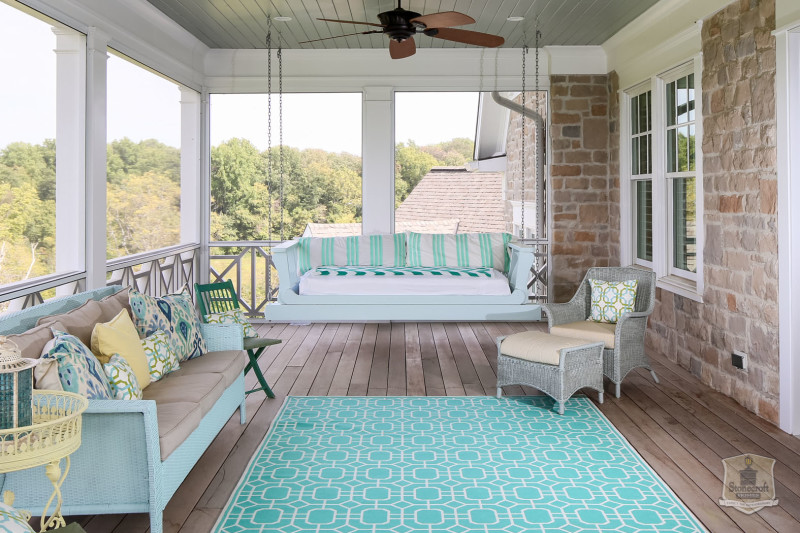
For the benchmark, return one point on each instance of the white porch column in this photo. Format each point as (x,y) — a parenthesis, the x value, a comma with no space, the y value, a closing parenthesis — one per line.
(70,152)
(204,186)
(191,206)
(96,73)
(787,82)
(377,156)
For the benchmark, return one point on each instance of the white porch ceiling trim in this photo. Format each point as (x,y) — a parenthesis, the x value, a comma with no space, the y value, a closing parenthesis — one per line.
(430,69)
(137,29)
(662,37)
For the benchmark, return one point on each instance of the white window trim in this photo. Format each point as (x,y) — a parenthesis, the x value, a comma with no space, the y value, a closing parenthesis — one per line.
(629,188)
(690,286)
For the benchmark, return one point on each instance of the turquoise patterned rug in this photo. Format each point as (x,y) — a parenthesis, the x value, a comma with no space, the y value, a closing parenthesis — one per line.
(448,464)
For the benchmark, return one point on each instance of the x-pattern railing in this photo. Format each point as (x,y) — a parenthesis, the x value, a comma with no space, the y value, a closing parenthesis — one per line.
(156,273)
(249,265)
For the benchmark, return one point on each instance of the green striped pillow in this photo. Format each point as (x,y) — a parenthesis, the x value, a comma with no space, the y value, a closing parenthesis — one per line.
(359,250)
(459,250)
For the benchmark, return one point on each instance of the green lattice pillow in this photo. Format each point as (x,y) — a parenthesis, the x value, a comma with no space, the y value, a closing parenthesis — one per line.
(124,385)
(161,358)
(14,520)
(610,299)
(233,316)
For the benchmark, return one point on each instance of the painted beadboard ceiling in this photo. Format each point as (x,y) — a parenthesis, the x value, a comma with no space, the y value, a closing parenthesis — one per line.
(243,23)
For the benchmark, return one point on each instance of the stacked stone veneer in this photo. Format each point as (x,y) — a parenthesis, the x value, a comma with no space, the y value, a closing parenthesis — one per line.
(584,178)
(740,302)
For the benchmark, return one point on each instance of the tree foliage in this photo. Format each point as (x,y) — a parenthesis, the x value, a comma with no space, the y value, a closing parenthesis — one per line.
(143,195)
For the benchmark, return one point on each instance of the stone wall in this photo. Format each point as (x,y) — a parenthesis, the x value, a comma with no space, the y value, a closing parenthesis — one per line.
(584,178)
(740,302)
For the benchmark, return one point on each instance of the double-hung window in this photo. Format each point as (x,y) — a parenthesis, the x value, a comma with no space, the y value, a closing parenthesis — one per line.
(662,179)
(641,144)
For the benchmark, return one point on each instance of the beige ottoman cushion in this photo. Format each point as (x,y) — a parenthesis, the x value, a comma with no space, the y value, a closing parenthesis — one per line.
(588,330)
(538,346)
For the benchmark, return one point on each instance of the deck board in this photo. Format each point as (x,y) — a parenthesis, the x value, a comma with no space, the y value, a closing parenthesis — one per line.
(682,428)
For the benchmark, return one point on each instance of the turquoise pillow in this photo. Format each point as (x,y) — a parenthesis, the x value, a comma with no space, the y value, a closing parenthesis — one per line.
(174,314)
(233,316)
(186,323)
(78,369)
(161,358)
(123,382)
(611,299)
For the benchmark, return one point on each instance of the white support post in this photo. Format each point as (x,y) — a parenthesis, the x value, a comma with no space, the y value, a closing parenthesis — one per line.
(377,155)
(787,83)
(204,188)
(96,142)
(70,152)
(191,204)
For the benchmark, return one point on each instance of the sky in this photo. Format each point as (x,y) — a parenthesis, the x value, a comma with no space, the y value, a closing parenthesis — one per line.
(142,105)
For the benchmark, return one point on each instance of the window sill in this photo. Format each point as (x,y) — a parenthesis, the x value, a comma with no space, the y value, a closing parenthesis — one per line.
(680,286)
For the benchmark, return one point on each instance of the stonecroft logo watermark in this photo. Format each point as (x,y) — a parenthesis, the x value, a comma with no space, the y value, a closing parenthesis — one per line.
(749,483)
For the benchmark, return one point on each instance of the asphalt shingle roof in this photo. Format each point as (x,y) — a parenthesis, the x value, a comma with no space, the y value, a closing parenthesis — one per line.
(474,198)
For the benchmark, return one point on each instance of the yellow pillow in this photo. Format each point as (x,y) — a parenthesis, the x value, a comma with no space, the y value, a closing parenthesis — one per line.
(120,336)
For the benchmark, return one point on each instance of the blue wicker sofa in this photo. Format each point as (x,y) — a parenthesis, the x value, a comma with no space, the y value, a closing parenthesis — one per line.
(134,453)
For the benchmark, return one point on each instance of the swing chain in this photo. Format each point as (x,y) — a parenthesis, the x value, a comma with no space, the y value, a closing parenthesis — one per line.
(280,125)
(522,147)
(269,127)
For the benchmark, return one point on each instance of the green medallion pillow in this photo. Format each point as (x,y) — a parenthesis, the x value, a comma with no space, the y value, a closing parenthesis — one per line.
(174,314)
(161,358)
(612,299)
(13,520)
(124,385)
(78,369)
(232,316)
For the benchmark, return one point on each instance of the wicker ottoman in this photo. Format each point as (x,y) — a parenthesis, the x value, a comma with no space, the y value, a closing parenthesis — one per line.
(557,366)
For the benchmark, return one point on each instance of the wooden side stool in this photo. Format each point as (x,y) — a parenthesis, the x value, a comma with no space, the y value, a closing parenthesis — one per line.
(557,366)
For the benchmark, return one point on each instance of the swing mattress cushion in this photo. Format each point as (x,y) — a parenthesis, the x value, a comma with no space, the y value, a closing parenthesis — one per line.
(398,281)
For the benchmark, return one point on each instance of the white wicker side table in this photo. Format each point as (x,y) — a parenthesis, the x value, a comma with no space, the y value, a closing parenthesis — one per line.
(557,366)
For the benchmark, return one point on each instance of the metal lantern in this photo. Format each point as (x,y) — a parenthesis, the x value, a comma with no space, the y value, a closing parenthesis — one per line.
(16,386)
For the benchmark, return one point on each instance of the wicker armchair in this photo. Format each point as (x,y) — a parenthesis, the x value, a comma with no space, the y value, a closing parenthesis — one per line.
(625,350)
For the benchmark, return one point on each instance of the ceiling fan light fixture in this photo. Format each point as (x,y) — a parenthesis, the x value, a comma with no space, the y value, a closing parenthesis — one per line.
(282,19)
(515,19)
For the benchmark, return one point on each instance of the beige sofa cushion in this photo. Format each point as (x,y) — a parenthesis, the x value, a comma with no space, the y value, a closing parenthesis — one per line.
(31,343)
(202,389)
(113,304)
(588,330)
(537,346)
(229,364)
(176,421)
(79,322)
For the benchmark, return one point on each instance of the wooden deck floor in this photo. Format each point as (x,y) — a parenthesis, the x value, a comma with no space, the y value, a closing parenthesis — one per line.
(682,428)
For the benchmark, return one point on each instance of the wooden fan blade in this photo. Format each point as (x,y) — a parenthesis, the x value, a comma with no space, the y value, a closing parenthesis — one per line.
(445,19)
(353,22)
(469,37)
(337,36)
(400,50)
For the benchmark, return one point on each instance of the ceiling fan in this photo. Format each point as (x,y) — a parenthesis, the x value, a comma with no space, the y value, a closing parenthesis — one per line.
(401,25)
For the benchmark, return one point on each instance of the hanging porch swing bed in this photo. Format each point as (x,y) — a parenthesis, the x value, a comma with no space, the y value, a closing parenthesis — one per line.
(403,277)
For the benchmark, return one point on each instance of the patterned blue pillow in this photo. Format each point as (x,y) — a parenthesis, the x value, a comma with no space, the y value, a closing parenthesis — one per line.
(78,369)
(174,314)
